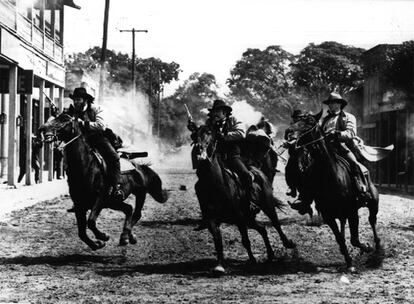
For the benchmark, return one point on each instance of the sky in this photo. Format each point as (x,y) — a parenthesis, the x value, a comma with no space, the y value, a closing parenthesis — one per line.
(210,36)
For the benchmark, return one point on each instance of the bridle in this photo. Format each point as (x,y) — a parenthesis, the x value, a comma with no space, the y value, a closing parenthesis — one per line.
(321,137)
(64,145)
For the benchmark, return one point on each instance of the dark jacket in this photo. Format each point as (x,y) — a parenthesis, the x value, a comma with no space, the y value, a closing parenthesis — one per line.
(233,134)
(94,124)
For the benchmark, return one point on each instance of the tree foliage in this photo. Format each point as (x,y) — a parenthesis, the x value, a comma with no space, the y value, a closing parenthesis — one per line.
(151,73)
(329,66)
(400,72)
(262,78)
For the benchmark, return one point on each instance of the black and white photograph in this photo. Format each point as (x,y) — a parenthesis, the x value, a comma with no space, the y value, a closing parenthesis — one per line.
(221,151)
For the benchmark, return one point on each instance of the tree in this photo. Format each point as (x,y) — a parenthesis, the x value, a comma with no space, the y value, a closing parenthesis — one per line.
(399,71)
(263,79)
(320,69)
(152,72)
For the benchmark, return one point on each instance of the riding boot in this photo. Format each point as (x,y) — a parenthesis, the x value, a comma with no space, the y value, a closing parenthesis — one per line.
(363,194)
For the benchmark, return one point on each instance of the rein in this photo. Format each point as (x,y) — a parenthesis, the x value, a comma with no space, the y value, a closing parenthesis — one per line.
(70,141)
(309,143)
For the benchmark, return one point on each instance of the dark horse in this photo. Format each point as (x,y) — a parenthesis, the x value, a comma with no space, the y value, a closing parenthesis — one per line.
(333,188)
(222,200)
(265,155)
(87,186)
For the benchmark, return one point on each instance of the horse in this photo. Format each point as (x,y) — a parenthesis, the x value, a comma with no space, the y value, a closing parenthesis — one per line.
(88,187)
(222,199)
(267,161)
(334,191)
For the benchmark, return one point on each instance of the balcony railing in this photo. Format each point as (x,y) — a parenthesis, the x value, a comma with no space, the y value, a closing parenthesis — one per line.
(32,34)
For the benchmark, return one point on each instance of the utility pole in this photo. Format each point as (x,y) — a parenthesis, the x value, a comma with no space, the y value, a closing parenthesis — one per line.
(103,54)
(133,31)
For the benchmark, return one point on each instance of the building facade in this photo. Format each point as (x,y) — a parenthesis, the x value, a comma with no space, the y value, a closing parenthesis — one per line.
(32,79)
(388,118)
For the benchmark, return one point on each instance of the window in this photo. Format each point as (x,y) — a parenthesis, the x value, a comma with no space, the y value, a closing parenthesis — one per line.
(58,30)
(48,22)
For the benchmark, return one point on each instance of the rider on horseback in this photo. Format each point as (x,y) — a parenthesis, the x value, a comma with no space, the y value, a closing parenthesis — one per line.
(290,172)
(93,127)
(340,128)
(228,134)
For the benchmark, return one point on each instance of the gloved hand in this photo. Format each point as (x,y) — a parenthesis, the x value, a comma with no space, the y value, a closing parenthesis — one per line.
(191,126)
(333,135)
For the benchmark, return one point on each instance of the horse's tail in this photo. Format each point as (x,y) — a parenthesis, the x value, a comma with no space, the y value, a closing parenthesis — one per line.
(151,181)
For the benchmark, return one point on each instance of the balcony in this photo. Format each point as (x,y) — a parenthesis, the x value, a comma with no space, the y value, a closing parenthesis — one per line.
(29,33)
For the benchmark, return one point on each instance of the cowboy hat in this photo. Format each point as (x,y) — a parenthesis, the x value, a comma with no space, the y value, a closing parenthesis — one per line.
(220,104)
(81,93)
(335,97)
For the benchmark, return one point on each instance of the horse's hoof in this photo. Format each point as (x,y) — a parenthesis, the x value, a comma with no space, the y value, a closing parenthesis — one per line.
(98,245)
(132,239)
(103,237)
(219,270)
(123,241)
(289,244)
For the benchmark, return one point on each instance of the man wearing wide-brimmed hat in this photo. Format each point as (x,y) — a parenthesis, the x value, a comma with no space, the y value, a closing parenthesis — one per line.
(291,170)
(89,116)
(228,133)
(340,129)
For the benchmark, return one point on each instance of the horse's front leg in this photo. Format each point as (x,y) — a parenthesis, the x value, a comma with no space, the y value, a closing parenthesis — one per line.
(218,244)
(95,211)
(81,222)
(341,241)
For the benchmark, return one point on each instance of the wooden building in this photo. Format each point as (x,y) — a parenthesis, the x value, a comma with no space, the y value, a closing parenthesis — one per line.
(388,118)
(32,77)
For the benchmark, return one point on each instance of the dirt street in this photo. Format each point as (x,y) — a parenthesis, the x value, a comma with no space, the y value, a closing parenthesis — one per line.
(42,260)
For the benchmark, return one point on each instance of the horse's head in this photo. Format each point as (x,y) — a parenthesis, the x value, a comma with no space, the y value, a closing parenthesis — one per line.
(62,127)
(205,142)
(306,128)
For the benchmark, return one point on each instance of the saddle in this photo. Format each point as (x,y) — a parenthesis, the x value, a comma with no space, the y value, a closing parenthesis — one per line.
(127,155)
(361,181)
